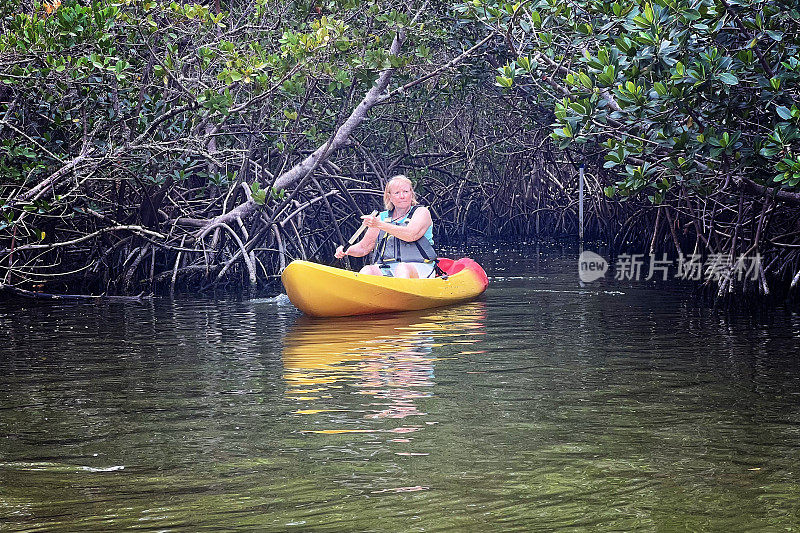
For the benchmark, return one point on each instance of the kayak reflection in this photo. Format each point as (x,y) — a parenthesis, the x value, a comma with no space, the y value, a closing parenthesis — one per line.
(387,358)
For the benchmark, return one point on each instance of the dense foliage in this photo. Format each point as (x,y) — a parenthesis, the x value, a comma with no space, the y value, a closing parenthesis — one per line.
(677,91)
(141,120)
(690,101)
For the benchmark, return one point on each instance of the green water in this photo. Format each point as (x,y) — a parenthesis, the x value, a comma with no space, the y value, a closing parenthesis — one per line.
(615,407)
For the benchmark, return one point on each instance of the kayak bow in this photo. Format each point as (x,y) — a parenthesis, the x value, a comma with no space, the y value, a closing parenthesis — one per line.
(320,290)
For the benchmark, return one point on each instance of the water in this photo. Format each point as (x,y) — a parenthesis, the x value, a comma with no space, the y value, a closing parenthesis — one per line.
(619,406)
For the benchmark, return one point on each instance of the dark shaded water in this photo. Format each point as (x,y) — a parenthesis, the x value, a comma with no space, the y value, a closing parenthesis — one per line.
(619,406)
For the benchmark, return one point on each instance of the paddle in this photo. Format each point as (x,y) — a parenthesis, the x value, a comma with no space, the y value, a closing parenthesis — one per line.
(357,234)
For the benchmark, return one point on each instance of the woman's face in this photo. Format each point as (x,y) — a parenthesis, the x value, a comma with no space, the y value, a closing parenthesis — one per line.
(400,195)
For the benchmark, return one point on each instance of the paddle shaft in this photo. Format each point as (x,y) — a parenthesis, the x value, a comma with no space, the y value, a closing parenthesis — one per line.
(357,234)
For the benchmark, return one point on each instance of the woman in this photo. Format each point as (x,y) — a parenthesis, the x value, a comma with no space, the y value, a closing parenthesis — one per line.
(401,236)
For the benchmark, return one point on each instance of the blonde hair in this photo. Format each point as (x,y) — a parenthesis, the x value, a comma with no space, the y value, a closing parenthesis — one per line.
(387,203)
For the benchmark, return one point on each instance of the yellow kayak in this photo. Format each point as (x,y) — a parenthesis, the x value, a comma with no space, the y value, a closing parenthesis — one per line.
(320,290)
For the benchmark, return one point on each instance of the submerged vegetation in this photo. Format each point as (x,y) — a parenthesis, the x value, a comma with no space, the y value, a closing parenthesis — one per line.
(154,146)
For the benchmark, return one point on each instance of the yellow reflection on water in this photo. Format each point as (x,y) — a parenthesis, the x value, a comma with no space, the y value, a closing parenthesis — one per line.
(388,360)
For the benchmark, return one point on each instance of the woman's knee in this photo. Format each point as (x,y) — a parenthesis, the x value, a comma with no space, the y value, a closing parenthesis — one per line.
(372,270)
(404,270)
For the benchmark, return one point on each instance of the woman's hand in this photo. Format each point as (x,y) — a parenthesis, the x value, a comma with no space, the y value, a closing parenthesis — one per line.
(340,252)
(371,221)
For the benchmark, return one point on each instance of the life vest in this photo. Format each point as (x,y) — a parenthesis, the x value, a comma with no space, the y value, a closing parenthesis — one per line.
(389,248)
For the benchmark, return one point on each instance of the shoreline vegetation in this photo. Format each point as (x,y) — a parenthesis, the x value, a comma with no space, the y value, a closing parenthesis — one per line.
(152,147)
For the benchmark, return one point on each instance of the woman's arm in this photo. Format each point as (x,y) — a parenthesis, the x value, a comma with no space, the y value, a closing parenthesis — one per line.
(416,228)
(362,247)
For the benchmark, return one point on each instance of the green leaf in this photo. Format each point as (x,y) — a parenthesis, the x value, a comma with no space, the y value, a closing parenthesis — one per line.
(728,78)
(784,112)
(259,194)
(504,81)
(586,81)
(578,108)
(691,14)
(602,56)
(775,35)
(648,13)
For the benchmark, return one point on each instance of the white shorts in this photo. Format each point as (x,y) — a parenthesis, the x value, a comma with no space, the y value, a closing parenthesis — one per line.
(425,270)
